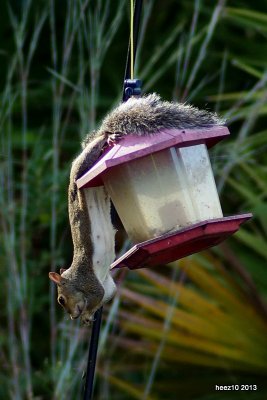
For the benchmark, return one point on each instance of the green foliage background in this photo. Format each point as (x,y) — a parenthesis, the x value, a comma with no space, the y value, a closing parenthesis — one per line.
(174,332)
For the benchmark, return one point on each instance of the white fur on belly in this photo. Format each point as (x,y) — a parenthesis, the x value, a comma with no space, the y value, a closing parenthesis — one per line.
(102,236)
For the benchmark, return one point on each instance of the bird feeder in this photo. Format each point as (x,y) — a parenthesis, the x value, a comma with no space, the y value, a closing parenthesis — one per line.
(163,189)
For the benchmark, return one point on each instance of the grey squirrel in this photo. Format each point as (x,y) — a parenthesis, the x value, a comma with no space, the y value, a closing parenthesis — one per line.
(87,283)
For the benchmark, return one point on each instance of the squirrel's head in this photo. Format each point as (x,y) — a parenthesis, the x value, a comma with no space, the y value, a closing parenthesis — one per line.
(69,297)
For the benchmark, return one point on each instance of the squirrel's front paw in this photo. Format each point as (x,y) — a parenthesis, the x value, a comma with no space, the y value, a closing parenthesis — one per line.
(87,318)
(114,137)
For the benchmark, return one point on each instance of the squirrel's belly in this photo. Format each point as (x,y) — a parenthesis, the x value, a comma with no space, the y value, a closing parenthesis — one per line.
(102,231)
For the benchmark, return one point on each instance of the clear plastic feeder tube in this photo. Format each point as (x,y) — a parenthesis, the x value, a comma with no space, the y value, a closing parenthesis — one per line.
(164,191)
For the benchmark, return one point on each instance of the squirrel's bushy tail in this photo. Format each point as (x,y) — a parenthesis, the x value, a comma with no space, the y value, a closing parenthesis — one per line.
(149,114)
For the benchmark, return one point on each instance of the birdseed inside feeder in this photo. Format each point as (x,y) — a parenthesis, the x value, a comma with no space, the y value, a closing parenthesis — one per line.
(163,189)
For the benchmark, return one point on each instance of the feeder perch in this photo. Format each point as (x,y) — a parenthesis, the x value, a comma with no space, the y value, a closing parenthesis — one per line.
(163,189)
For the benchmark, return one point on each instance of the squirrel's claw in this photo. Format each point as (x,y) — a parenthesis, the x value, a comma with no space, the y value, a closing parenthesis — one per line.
(87,320)
(114,137)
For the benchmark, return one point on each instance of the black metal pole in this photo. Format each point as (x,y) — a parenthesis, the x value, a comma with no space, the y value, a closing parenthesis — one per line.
(89,382)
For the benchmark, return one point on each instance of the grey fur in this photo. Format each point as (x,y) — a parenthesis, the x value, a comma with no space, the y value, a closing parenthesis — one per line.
(149,114)
(78,284)
(80,226)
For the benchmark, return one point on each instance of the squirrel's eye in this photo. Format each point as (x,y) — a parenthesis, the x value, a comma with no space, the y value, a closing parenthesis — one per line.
(61,300)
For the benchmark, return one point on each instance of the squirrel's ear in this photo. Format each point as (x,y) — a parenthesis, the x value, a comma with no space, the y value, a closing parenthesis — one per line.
(55,277)
(62,270)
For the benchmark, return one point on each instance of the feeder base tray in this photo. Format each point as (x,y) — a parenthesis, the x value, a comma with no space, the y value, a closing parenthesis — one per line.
(175,245)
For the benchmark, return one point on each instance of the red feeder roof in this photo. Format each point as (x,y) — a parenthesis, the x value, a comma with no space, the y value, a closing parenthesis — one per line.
(131,147)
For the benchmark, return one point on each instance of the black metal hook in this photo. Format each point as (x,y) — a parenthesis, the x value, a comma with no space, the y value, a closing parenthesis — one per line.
(132,87)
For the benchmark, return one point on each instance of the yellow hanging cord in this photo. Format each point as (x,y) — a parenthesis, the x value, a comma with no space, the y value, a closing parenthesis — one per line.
(132,38)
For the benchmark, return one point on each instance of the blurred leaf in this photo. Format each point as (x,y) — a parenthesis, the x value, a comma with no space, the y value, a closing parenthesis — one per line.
(247,17)
(247,68)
